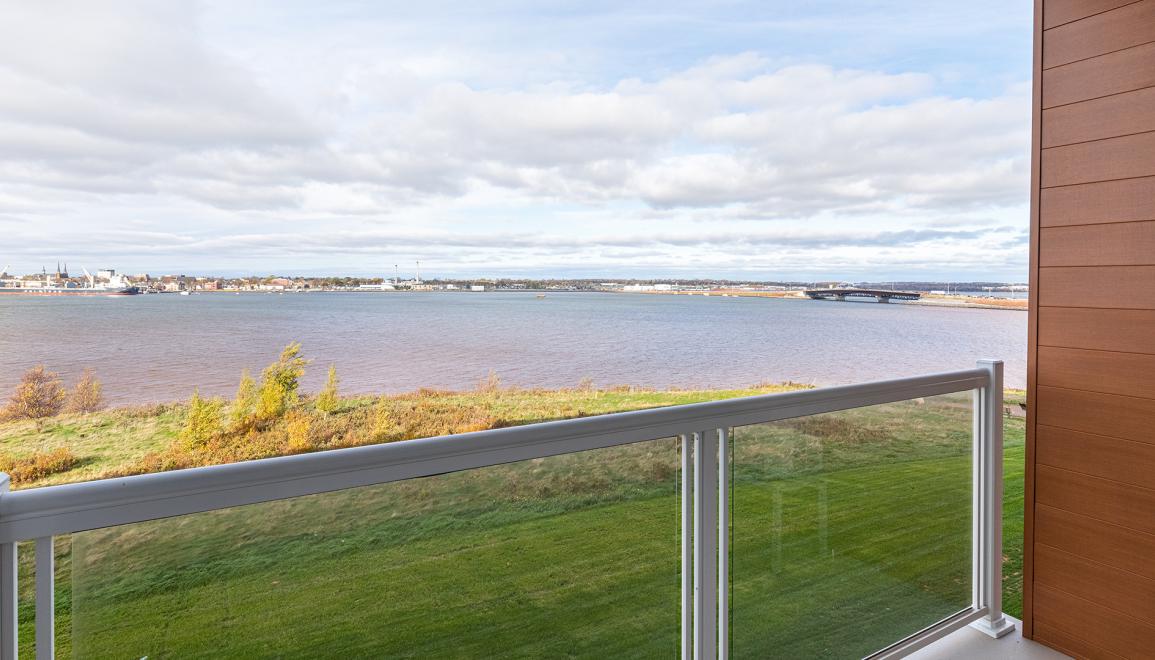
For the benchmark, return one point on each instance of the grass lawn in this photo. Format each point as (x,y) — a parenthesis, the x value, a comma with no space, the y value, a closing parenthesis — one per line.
(849,531)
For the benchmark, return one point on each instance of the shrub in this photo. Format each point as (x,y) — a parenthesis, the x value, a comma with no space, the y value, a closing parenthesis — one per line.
(327,399)
(88,394)
(490,384)
(279,384)
(42,464)
(203,422)
(39,395)
(244,403)
(298,431)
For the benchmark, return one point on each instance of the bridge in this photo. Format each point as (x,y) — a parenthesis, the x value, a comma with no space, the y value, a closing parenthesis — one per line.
(882,295)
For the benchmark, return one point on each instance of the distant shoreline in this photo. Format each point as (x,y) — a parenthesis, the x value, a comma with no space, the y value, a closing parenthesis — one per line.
(928,300)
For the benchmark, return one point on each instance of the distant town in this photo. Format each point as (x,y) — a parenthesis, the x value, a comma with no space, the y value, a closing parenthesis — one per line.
(62,280)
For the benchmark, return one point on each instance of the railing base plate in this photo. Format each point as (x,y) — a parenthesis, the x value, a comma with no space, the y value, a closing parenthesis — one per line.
(1003,626)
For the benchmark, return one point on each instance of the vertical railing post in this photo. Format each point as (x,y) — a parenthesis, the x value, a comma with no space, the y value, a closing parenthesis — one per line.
(45,599)
(9,644)
(988,502)
(706,544)
(687,503)
(723,544)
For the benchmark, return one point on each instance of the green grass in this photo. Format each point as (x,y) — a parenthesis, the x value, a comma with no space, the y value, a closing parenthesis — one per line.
(849,531)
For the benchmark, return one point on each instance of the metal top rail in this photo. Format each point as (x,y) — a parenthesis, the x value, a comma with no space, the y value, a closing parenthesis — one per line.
(53,510)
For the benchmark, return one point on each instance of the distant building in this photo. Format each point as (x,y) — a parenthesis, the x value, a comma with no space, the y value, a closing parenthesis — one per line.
(477,287)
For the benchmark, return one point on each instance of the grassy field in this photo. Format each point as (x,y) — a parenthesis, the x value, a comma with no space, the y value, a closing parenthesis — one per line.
(849,531)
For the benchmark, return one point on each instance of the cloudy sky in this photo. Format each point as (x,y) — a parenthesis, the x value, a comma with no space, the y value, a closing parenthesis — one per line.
(768,140)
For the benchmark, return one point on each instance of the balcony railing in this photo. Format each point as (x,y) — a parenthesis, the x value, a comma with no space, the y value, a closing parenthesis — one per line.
(729,523)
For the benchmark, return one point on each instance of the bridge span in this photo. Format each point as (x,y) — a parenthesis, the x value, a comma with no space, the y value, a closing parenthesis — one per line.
(881,295)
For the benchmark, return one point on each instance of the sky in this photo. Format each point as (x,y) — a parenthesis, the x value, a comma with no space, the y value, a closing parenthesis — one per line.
(850,140)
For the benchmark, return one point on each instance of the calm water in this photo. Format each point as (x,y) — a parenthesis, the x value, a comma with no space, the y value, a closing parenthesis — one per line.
(158,347)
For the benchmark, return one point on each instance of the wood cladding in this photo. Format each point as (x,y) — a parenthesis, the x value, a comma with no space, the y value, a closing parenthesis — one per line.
(1114,73)
(1124,417)
(1108,372)
(1123,244)
(1096,540)
(1124,27)
(1089,562)
(1101,456)
(1124,157)
(1081,619)
(1059,12)
(1103,499)
(1112,287)
(1129,200)
(1096,119)
(1124,330)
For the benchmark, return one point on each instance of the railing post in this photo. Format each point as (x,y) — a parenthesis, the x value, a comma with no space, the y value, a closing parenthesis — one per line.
(706,544)
(686,442)
(988,503)
(45,599)
(723,544)
(9,622)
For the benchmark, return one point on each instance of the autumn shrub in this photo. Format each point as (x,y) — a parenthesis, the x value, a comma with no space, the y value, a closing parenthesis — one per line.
(202,421)
(298,428)
(27,469)
(244,407)
(490,384)
(87,395)
(327,399)
(39,395)
(279,384)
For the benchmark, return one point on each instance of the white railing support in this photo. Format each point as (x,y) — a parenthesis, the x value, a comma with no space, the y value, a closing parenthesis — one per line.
(9,622)
(988,503)
(723,544)
(45,599)
(706,544)
(685,443)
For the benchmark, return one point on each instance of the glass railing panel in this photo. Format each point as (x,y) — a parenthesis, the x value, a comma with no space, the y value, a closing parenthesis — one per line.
(850,530)
(566,556)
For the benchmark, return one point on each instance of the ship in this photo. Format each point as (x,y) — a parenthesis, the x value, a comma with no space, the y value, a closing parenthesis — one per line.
(62,285)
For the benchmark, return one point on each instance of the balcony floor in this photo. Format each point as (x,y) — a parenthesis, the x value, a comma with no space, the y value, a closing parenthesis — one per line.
(969,643)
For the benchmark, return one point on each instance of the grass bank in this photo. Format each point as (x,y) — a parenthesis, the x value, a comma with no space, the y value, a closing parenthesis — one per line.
(849,531)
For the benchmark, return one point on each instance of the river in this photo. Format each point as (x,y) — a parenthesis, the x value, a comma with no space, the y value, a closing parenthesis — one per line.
(159,347)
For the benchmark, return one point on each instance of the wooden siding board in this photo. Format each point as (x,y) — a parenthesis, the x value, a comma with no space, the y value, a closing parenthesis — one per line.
(1105,372)
(1125,461)
(1122,330)
(1059,12)
(1114,631)
(1102,499)
(1111,287)
(1114,73)
(1125,27)
(1126,157)
(1096,540)
(1097,119)
(1100,584)
(1129,200)
(1112,415)
(1071,645)
(1122,244)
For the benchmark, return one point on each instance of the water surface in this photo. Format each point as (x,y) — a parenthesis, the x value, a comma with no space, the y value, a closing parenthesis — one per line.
(159,347)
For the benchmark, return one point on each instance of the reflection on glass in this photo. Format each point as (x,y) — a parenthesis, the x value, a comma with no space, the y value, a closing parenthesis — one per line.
(573,555)
(850,530)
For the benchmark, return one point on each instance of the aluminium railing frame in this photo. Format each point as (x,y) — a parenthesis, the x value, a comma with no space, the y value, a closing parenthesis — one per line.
(41,514)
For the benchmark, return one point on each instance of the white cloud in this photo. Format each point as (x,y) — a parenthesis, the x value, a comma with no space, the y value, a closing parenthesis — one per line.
(132,114)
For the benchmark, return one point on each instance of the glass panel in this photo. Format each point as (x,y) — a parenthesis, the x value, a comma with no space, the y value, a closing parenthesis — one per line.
(574,555)
(850,530)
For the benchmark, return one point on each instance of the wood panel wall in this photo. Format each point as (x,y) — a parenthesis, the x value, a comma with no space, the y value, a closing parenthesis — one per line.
(1090,538)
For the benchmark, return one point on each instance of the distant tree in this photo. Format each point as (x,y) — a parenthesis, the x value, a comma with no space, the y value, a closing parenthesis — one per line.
(39,395)
(87,395)
(244,403)
(203,421)
(327,399)
(279,384)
